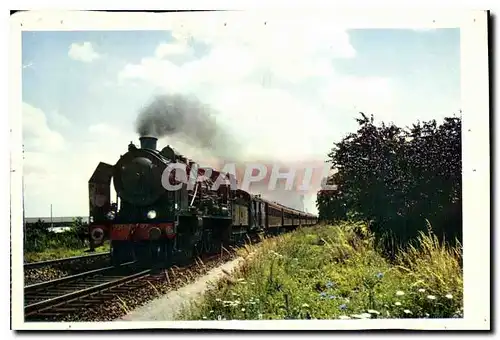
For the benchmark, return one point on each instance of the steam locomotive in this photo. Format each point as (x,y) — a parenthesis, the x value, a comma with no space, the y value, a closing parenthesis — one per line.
(151,224)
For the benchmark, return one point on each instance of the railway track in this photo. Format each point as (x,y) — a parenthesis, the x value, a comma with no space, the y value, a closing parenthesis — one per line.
(71,293)
(92,295)
(41,264)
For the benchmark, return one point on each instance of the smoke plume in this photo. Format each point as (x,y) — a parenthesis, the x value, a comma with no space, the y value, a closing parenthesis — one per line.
(189,120)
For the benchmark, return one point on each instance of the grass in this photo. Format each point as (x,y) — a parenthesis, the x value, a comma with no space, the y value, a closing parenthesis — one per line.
(61,252)
(336,272)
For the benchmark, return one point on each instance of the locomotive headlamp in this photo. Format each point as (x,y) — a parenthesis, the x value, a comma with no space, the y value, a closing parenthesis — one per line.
(151,214)
(110,215)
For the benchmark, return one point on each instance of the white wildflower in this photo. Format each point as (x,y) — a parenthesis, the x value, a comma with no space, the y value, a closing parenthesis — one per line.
(218,300)
(398,303)
(305,305)
(373,311)
(407,311)
(431,297)
(234,303)
(243,309)
(204,318)
(449,296)
(421,290)
(400,293)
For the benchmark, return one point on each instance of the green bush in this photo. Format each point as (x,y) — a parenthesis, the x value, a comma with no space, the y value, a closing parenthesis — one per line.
(39,237)
(336,272)
(397,179)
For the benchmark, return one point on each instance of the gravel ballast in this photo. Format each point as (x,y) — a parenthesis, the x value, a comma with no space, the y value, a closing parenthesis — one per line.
(60,270)
(116,303)
(168,306)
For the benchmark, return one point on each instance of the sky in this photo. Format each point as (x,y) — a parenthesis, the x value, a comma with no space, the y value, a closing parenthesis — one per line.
(285,90)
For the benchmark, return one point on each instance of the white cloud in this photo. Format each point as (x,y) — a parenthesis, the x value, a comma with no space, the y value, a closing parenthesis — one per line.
(103,130)
(59,120)
(83,52)
(165,50)
(56,171)
(41,156)
(61,178)
(37,134)
(365,94)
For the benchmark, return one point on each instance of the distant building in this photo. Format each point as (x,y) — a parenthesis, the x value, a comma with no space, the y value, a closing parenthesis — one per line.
(56,224)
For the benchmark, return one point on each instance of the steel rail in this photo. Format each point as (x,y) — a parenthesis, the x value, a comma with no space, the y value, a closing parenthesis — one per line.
(51,283)
(39,264)
(37,307)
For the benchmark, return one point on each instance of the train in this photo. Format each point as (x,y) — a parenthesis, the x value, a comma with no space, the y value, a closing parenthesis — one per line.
(149,223)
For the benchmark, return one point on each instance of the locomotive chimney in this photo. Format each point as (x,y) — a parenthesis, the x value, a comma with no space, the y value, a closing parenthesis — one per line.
(148,142)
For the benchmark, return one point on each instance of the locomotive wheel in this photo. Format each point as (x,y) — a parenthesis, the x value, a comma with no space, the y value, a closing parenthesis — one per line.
(206,242)
(186,255)
(147,252)
(120,252)
(198,248)
(167,252)
(142,253)
(155,251)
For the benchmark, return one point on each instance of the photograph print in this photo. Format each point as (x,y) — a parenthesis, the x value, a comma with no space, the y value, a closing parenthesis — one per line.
(222,166)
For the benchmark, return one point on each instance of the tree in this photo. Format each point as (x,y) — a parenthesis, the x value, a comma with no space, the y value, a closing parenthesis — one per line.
(397,178)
